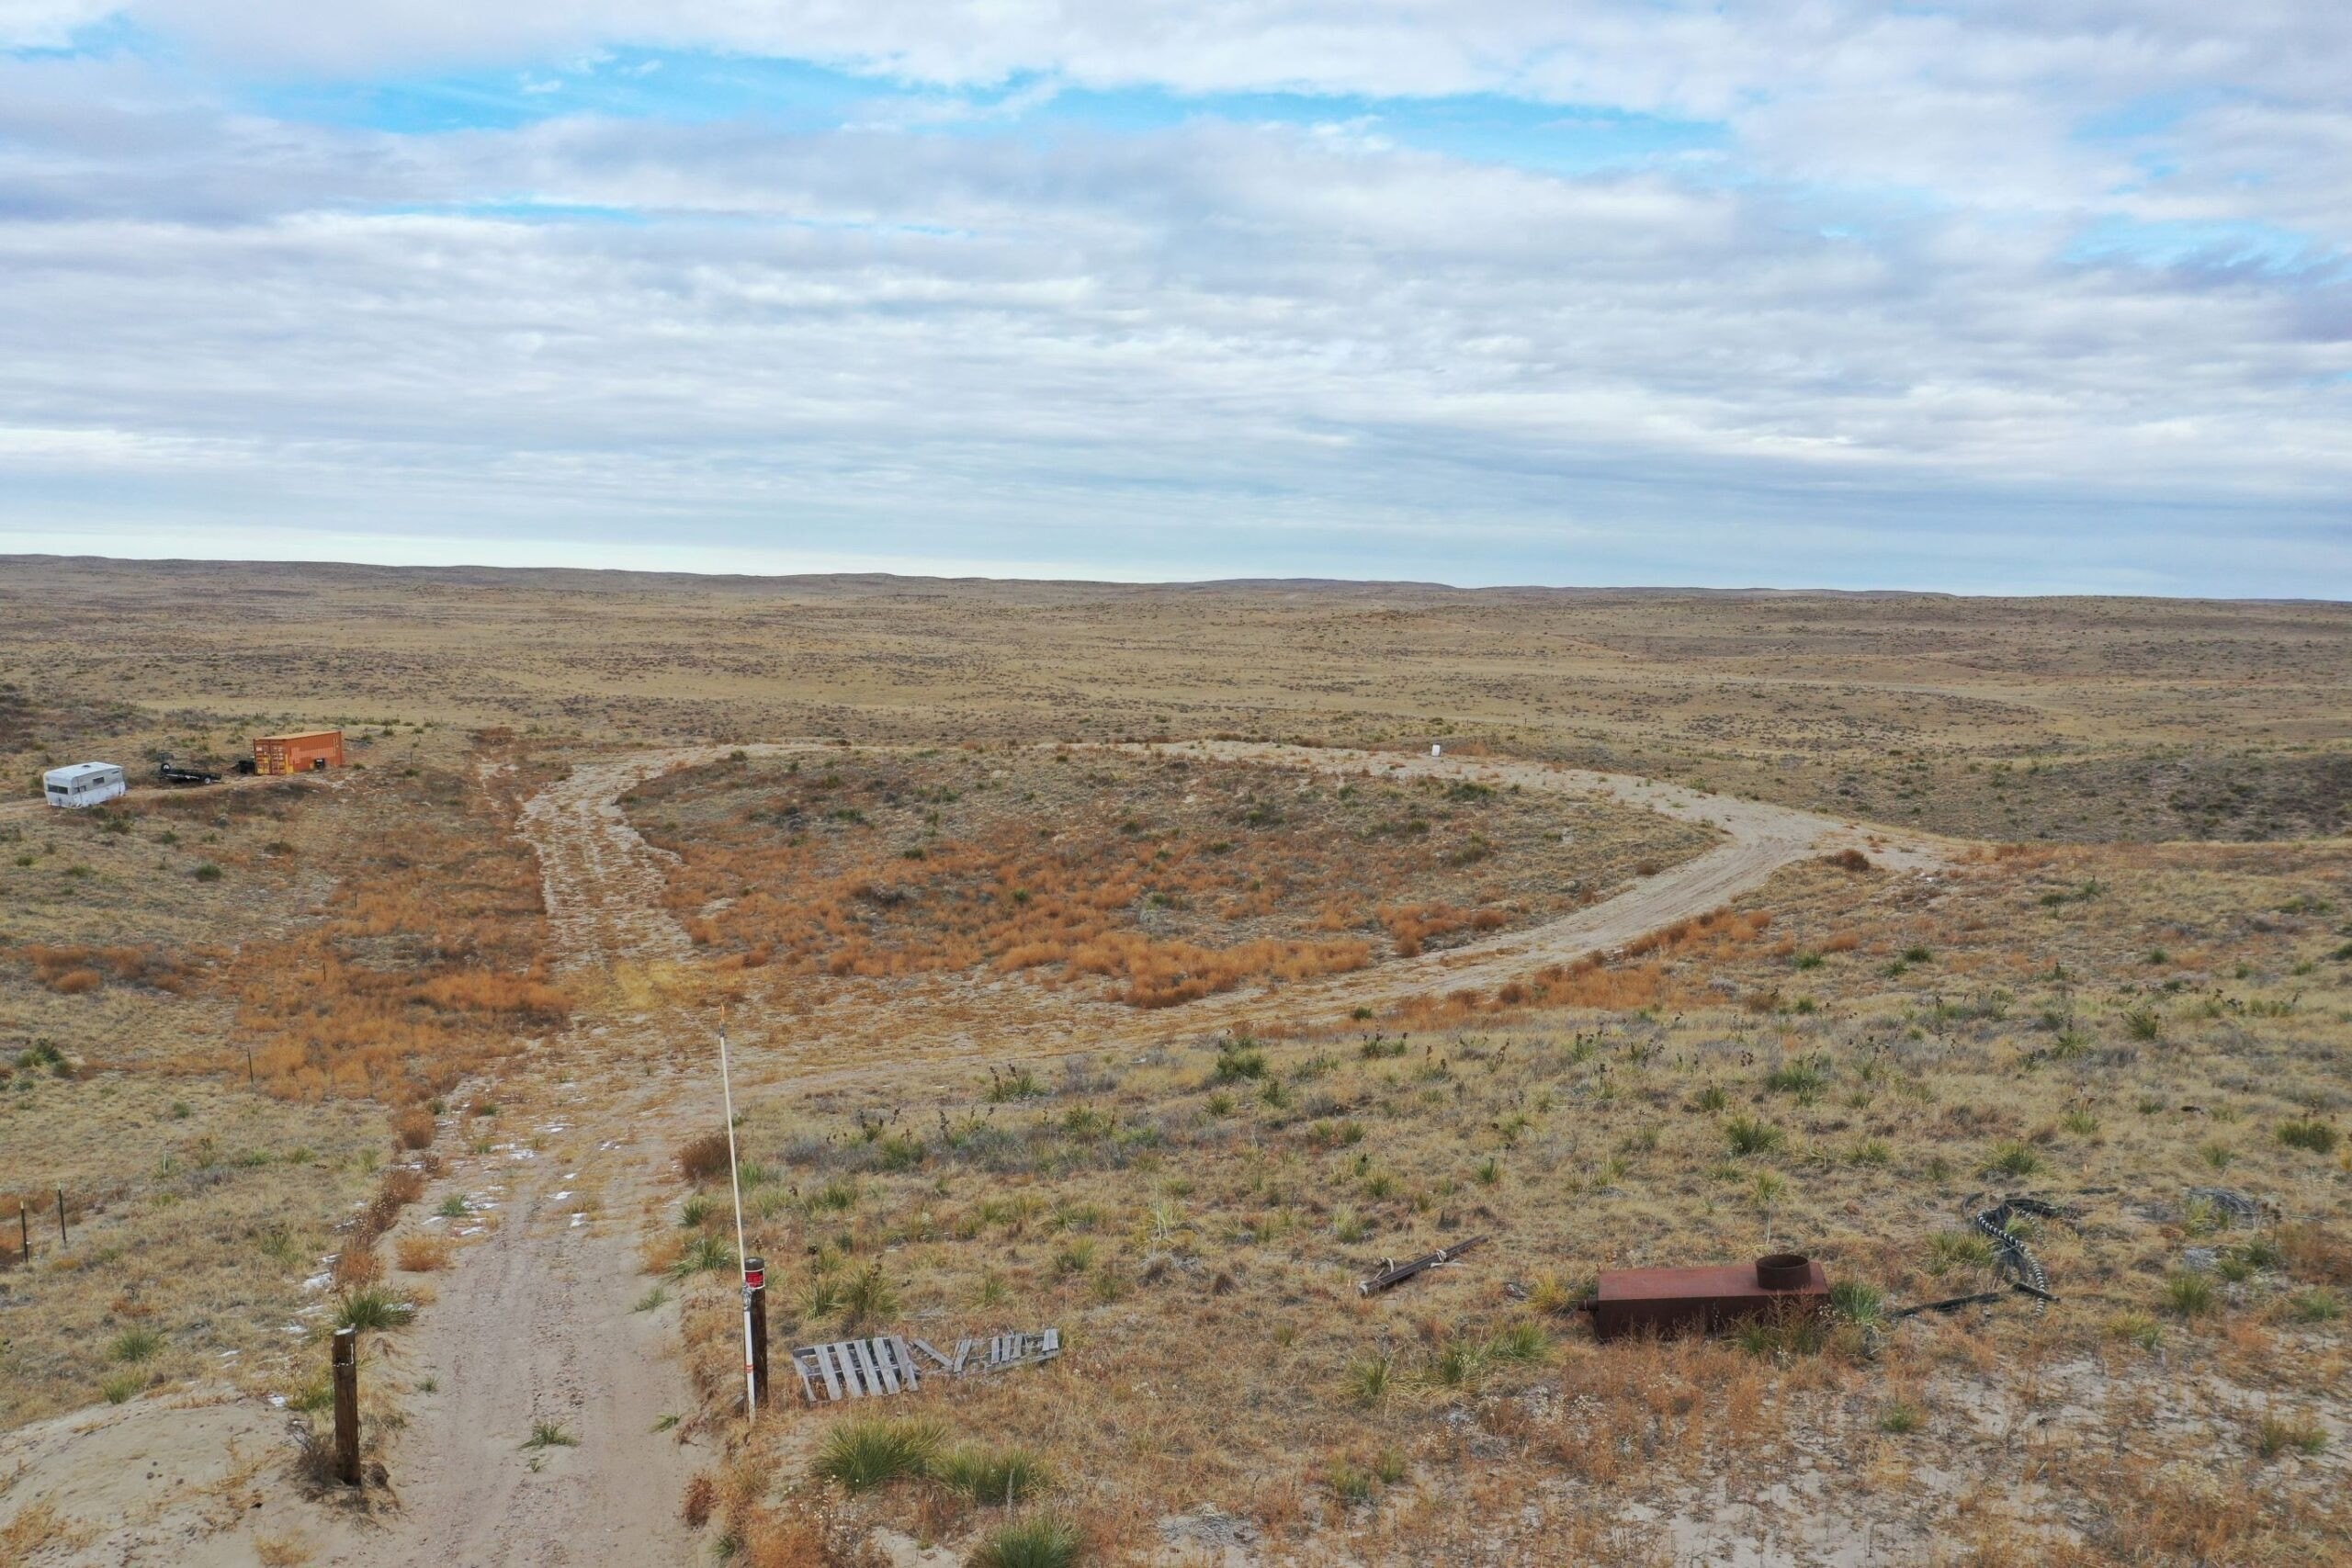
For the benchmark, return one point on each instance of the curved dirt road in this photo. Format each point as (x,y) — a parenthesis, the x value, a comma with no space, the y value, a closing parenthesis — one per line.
(1759,839)
(536,1324)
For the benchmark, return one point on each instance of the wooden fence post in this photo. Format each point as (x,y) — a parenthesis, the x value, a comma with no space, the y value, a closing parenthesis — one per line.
(755,1298)
(61,1216)
(25,1228)
(347,1406)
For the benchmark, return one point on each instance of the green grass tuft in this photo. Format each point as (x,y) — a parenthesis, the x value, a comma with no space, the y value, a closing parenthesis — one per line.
(372,1306)
(991,1477)
(1747,1136)
(866,1452)
(1041,1540)
(548,1435)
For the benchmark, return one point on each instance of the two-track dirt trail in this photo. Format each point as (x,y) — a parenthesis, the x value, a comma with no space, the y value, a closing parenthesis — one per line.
(539,1323)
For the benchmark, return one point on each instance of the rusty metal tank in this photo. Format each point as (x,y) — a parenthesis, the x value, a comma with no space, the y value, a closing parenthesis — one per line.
(1707,1299)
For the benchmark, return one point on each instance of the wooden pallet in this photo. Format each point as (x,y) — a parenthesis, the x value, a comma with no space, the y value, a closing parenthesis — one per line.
(867,1369)
(856,1369)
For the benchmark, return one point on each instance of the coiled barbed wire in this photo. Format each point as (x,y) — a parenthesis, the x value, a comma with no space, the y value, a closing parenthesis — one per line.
(2010,1249)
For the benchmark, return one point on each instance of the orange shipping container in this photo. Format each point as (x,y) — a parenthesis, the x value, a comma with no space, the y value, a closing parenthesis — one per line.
(311,752)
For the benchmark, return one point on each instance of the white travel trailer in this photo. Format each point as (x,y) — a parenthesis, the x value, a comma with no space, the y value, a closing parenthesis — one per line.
(84,783)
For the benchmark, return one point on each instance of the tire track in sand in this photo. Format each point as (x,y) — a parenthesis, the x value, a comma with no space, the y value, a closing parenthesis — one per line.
(536,1324)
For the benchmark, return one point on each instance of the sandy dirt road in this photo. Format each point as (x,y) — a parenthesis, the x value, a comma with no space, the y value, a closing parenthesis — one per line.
(537,1322)
(1759,839)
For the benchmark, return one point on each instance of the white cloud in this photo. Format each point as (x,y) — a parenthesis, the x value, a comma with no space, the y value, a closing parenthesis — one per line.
(1862,339)
(48,24)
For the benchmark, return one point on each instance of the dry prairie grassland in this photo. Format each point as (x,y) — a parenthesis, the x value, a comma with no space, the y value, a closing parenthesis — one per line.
(1849,1062)
(2064,719)
(1143,1101)
(227,1013)
(1169,880)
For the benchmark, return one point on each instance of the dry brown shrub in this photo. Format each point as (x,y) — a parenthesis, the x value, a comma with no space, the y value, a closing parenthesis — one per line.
(358,1264)
(1166,973)
(477,990)
(703,1158)
(801,1532)
(401,1186)
(453,905)
(281,1551)
(37,1525)
(1849,860)
(1412,926)
(2314,1253)
(701,1496)
(414,1128)
(812,888)
(1599,980)
(76,969)
(422,1254)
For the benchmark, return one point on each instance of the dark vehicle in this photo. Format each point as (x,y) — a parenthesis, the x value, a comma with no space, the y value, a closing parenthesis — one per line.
(167,771)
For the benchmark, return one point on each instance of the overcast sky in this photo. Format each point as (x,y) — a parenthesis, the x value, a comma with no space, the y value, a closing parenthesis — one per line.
(2052,295)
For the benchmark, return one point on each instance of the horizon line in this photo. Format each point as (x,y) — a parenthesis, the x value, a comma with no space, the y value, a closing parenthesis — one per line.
(1046,580)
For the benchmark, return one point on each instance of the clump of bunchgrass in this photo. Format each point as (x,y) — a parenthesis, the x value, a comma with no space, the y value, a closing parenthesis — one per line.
(1555,1297)
(2013,1158)
(1041,1540)
(1947,1250)
(1748,1136)
(1899,1416)
(1456,1366)
(992,1477)
(2315,1306)
(868,1297)
(2275,1435)
(2191,1294)
(2314,1137)
(1858,1302)
(704,1253)
(867,1452)
(372,1306)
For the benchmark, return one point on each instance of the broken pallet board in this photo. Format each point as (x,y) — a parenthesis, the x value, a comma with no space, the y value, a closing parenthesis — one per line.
(856,1369)
(867,1369)
(1393,1272)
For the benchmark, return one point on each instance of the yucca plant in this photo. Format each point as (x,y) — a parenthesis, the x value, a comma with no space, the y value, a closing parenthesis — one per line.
(373,1307)
(704,1253)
